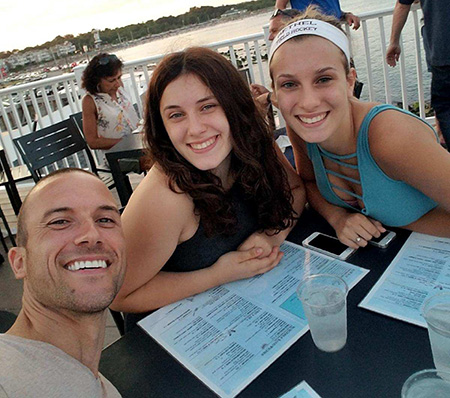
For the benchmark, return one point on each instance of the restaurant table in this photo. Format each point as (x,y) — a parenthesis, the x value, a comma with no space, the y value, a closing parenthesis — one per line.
(10,184)
(380,354)
(130,146)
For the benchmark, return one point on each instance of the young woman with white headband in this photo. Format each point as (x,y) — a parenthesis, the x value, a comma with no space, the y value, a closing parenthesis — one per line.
(365,164)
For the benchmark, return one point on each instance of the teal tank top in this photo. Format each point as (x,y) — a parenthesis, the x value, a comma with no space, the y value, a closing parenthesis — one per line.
(392,202)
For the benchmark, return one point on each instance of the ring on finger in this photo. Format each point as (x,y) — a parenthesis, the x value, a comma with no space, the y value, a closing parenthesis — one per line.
(358,239)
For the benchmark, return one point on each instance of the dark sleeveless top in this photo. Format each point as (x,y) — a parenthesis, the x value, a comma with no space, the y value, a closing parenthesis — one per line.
(201,251)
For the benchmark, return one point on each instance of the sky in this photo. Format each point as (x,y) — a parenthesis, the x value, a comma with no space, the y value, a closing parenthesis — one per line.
(29,22)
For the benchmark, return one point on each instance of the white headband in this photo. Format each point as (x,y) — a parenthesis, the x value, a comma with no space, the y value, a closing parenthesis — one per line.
(312,27)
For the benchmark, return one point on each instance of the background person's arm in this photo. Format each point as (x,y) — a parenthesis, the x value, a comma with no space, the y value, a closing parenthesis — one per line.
(90,126)
(281,4)
(398,22)
(351,19)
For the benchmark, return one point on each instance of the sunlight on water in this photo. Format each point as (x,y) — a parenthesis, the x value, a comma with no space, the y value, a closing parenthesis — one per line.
(216,32)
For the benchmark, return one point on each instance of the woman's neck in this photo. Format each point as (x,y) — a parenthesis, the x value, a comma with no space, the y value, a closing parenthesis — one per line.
(112,94)
(344,140)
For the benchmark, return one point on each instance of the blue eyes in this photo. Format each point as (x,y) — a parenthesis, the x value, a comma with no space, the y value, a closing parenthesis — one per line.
(324,80)
(175,115)
(178,115)
(208,106)
(293,84)
(288,85)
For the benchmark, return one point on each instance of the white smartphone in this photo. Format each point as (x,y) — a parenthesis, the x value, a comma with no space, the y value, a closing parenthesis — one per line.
(328,245)
(383,240)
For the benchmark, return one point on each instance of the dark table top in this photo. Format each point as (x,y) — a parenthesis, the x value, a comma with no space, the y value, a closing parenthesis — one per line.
(129,146)
(380,354)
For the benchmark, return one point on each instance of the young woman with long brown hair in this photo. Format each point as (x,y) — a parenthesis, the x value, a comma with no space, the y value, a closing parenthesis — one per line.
(220,198)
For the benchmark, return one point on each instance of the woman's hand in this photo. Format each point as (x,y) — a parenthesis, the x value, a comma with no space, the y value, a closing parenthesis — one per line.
(260,240)
(354,229)
(257,90)
(244,264)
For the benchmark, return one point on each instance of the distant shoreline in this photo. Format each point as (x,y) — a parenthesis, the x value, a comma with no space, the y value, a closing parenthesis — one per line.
(186,29)
(78,58)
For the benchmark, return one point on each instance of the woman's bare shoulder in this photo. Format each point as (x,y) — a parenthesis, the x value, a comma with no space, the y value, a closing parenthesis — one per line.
(87,102)
(394,129)
(153,197)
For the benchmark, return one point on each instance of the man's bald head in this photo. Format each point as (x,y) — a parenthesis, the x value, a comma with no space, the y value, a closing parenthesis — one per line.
(22,233)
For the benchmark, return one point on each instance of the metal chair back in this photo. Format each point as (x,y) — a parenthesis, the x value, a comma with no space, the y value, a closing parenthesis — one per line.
(54,146)
(77,118)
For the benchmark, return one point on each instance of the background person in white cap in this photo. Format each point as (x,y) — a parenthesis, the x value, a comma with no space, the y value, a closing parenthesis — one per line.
(363,163)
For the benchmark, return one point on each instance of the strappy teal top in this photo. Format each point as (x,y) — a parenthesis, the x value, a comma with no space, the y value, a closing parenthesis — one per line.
(392,202)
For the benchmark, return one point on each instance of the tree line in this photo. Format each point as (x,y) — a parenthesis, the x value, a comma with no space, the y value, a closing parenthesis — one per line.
(136,31)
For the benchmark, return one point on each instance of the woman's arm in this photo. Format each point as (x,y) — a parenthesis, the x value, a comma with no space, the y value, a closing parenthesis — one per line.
(90,126)
(411,153)
(348,225)
(155,221)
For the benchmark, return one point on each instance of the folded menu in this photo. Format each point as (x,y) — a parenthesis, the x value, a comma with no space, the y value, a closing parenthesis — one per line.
(228,335)
(420,270)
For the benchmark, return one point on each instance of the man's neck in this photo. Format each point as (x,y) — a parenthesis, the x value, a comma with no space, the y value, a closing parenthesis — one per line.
(78,335)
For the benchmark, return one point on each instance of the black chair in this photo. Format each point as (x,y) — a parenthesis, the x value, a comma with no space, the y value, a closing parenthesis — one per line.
(118,316)
(118,320)
(77,119)
(8,178)
(8,231)
(6,320)
(53,147)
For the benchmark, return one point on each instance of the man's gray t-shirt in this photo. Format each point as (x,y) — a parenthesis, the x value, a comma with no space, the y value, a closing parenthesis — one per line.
(35,369)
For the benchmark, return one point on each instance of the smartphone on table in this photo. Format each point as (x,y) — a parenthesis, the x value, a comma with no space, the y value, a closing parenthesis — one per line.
(328,245)
(383,240)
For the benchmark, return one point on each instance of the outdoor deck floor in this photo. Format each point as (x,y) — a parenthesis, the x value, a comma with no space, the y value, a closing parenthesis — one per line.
(10,288)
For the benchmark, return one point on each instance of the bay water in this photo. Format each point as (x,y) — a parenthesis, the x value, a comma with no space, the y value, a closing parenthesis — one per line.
(223,30)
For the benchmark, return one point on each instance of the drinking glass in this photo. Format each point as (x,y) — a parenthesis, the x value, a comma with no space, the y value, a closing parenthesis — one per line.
(436,311)
(429,383)
(324,300)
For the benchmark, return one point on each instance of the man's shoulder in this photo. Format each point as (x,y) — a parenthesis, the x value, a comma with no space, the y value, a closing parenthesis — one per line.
(34,368)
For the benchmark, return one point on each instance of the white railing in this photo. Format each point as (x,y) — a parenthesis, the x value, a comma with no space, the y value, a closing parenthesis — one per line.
(375,27)
(48,101)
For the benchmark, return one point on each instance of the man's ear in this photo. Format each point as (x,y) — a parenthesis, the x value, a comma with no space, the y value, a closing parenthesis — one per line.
(351,80)
(17,260)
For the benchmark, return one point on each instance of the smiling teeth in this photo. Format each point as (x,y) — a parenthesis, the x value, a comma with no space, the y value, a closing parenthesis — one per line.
(312,120)
(204,145)
(77,265)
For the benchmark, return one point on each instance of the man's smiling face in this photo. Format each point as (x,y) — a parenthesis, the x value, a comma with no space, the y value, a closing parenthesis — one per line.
(74,256)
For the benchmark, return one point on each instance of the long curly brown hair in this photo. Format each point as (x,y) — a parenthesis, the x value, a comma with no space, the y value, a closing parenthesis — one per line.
(254,164)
